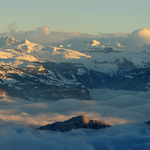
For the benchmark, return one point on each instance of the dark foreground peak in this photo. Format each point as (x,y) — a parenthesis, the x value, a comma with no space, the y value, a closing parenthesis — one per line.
(148,122)
(75,123)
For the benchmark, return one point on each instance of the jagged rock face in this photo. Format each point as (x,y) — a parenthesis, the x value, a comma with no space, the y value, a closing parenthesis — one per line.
(54,81)
(75,123)
(128,76)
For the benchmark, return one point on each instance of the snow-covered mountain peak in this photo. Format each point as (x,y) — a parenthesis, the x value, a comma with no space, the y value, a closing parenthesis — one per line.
(25,42)
(103,58)
(28,47)
(113,45)
(95,43)
(92,43)
(71,69)
(8,40)
(64,54)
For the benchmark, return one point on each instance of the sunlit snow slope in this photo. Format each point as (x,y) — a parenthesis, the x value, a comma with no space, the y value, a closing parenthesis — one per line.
(37,72)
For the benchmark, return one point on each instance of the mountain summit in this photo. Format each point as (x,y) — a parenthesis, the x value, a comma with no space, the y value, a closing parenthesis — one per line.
(95,43)
(8,40)
(25,42)
(75,123)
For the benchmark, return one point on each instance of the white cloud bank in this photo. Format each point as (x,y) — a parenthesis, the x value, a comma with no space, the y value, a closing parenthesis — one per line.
(129,136)
(140,37)
(43,30)
(43,35)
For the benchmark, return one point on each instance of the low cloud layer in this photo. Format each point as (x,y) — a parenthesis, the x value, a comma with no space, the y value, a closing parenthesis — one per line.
(43,35)
(125,110)
(128,136)
(113,107)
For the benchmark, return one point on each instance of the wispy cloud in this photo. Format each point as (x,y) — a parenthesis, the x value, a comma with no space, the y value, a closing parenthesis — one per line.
(12,28)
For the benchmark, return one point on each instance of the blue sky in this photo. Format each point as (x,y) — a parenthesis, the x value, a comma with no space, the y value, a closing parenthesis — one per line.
(85,16)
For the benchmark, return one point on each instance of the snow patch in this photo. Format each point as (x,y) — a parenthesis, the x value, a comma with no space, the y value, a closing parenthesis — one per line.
(81,71)
(95,43)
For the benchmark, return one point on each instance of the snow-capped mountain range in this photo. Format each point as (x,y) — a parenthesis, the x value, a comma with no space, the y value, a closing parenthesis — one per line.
(36,72)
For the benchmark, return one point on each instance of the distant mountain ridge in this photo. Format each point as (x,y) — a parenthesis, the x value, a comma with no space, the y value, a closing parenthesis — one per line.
(75,123)
(37,72)
(8,40)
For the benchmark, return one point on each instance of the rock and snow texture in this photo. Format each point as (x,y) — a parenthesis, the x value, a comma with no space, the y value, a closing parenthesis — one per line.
(27,68)
(8,41)
(105,58)
(95,43)
(116,76)
(75,123)
(32,52)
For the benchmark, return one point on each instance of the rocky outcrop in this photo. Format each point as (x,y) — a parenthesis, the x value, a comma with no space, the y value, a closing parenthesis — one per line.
(35,84)
(75,123)
(148,122)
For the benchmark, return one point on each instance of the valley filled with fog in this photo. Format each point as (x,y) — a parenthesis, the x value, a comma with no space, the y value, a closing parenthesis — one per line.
(125,111)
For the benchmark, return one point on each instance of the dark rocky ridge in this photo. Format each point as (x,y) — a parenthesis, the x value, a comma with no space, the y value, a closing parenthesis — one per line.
(148,122)
(66,81)
(128,77)
(75,123)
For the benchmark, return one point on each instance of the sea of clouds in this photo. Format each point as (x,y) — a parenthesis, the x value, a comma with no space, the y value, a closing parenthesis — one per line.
(126,111)
(119,137)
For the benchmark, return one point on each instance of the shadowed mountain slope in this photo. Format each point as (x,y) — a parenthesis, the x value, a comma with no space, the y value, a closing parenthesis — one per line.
(75,123)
